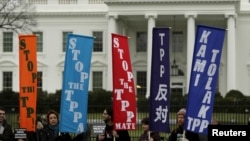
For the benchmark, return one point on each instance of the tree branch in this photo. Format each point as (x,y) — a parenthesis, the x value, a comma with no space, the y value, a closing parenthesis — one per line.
(15,16)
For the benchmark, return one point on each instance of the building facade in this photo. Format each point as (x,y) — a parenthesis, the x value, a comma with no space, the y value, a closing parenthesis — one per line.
(135,19)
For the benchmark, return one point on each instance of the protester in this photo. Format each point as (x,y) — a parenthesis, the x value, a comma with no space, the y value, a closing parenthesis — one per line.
(109,133)
(214,122)
(154,136)
(148,135)
(39,123)
(84,136)
(50,131)
(6,132)
(204,137)
(179,133)
(30,135)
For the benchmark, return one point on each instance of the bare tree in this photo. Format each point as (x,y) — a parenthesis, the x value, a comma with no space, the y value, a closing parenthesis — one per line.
(17,16)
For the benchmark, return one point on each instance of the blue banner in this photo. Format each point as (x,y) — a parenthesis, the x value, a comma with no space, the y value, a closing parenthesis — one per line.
(74,99)
(204,77)
(160,79)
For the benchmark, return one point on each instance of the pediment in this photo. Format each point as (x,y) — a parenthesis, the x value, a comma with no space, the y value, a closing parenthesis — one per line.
(41,64)
(140,64)
(60,64)
(93,64)
(98,64)
(7,63)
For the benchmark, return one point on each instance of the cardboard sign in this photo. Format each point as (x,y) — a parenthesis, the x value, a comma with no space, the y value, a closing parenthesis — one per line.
(20,133)
(98,128)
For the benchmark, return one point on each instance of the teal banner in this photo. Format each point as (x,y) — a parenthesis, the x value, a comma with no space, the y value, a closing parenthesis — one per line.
(74,99)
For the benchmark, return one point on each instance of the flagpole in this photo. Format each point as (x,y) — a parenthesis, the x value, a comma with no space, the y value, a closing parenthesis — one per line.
(148,135)
(183,137)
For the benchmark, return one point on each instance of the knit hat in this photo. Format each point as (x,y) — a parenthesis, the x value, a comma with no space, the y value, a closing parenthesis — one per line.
(182,111)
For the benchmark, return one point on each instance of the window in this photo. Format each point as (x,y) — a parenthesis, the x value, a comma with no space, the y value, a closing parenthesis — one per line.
(97,80)
(7,41)
(39,41)
(141,42)
(65,36)
(98,42)
(177,88)
(39,81)
(141,77)
(177,45)
(7,80)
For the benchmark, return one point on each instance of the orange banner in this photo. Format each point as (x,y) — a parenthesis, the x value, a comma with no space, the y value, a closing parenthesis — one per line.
(28,81)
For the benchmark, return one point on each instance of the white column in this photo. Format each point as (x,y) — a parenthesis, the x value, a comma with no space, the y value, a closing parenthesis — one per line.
(151,25)
(231,56)
(111,29)
(190,45)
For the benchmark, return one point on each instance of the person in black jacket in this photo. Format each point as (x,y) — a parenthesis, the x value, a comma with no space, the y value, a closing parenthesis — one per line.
(50,132)
(109,134)
(155,136)
(178,133)
(30,135)
(6,132)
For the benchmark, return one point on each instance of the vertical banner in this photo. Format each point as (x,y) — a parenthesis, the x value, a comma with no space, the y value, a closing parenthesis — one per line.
(204,77)
(74,99)
(124,100)
(160,81)
(28,81)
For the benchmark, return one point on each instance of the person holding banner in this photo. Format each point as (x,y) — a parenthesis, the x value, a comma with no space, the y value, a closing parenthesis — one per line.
(179,134)
(50,132)
(145,135)
(109,134)
(6,133)
(204,137)
(30,135)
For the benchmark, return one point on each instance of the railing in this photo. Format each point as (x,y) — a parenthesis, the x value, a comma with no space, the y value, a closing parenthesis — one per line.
(64,2)
(96,1)
(67,1)
(41,2)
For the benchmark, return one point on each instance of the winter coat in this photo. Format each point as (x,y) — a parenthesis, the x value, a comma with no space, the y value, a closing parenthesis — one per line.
(48,134)
(8,134)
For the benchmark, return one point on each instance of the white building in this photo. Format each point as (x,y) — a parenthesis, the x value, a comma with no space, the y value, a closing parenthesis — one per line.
(133,18)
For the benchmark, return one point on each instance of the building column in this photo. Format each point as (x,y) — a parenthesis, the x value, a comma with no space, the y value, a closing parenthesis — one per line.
(111,29)
(151,24)
(190,45)
(231,55)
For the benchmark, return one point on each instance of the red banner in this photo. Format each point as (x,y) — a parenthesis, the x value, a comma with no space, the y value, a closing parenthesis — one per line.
(124,99)
(28,81)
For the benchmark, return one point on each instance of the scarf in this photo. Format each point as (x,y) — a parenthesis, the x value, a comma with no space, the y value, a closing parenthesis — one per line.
(55,129)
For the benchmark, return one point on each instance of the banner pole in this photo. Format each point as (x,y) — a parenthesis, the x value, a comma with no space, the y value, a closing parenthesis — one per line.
(148,135)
